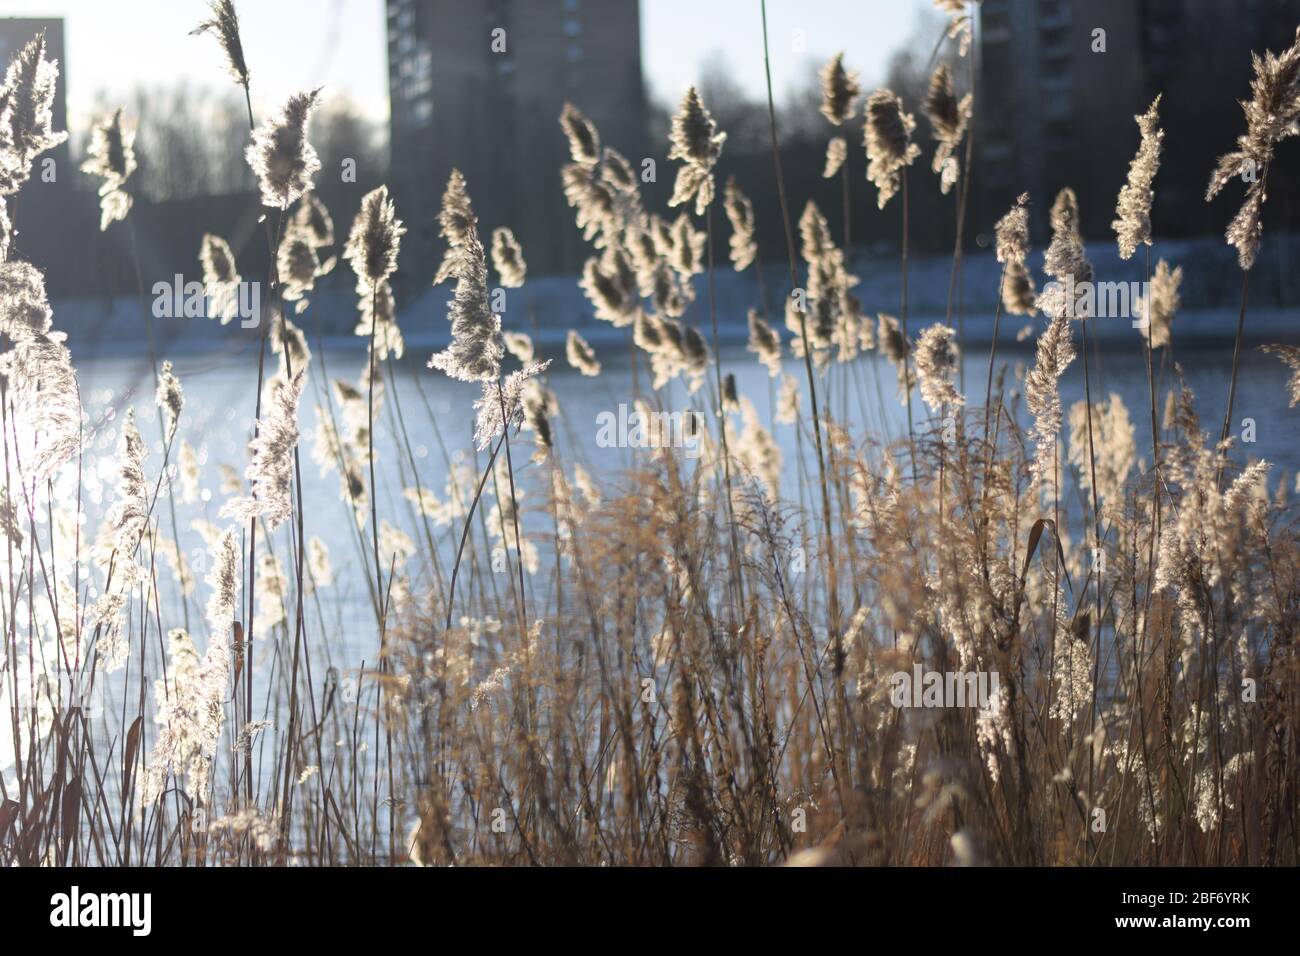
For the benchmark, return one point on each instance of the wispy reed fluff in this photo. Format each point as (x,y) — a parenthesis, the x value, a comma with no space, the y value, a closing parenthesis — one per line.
(169,398)
(378,321)
(897,349)
(936,362)
(281,158)
(26,113)
(1012,246)
(1289,354)
(740,212)
(475,352)
(581,355)
(455,221)
(1042,390)
(1065,260)
(111,156)
(1133,227)
(584,141)
(696,141)
(837,151)
(220,277)
(270,473)
(508,258)
(129,515)
(374,241)
(41,384)
(1272,114)
(948,118)
(765,343)
(1114,444)
(502,405)
(1012,232)
(1018,295)
(1161,306)
(223,606)
(224,25)
(520,345)
(840,91)
(888,139)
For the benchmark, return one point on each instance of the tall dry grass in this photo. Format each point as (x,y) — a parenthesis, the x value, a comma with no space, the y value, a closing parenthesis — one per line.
(679,661)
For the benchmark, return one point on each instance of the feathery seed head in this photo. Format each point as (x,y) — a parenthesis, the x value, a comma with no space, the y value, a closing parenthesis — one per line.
(696,141)
(111,156)
(840,91)
(584,141)
(375,239)
(508,258)
(26,113)
(837,152)
(224,25)
(1272,115)
(936,362)
(948,118)
(888,139)
(476,350)
(279,154)
(1013,232)
(765,343)
(1133,227)
(169,398)
(313,222)
(740,211)
(581,355)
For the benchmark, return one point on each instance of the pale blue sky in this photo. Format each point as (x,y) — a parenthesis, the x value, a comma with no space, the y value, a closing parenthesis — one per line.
(115,45)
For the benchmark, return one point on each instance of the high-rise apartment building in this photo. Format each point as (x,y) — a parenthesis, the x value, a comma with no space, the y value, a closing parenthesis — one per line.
(1061,81)
(478,85)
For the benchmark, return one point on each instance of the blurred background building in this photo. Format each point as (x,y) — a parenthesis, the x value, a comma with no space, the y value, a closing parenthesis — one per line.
(489,103)
(1059,100)
(1053,108)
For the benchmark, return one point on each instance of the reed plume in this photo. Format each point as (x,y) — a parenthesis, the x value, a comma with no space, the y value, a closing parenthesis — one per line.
(888,139)
(27,113)
(281,158)
(1289,354)
(840,91)
(837,152)
(1272,115)
(696,141)
(170,399)
(948,118)
(220,277)
(508,258)
(270,471)
(765,343)
(456,220)
(224,25)
(936,364)
(1160,306)
(1133,227)
(111,156)
(475,352)
(740,212)
(580,355)
(584,141)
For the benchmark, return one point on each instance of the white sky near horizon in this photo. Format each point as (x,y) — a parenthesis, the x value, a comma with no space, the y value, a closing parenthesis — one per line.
(115,46)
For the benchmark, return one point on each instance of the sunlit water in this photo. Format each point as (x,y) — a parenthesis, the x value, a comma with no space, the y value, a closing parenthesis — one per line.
(438,420)
(341,631)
